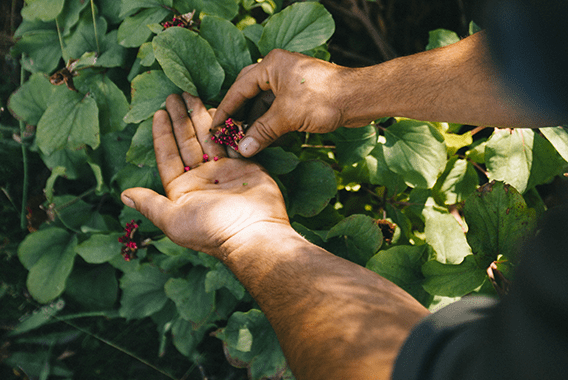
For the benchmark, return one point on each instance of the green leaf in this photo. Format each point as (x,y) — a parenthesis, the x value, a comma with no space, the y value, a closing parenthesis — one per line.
(149,93)
(77,214)
(141,150)
(49,257)
(457,182)
(133,176)
(222,277)
(181,54)
(39,318)
(277,161)
(58,171)
(354,144)
(71,120)
(360,236)
(250,341)
(313,187)
(110,10)
(74,162)
(499,221)
(379,173)
(131,6)
(558,137)
(185,337)
(42,50)
(452,280)
(168,247)
(228,43)
(30,101)
(445,235)
(134,31)
(112,54)
(84,39)
(299,27)
(403,265)
(99,248)
(226,9)
(146,54)
(44,10)
(441,37)
(193,303)
(521,158)
(416,151)
(111,102)
(70,15)
(142,292)
(94,288)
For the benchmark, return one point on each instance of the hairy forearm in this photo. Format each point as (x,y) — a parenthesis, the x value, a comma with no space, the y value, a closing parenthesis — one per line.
(456,83)
(333,318)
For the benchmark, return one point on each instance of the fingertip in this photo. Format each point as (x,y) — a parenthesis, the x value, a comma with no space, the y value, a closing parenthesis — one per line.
(249,146)
(127,200)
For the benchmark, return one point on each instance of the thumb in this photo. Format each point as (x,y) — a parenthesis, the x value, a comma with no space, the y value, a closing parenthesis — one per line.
(263,132)
(152,205)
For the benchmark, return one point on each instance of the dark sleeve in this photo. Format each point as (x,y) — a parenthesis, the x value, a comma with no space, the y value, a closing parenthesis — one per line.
(523,337)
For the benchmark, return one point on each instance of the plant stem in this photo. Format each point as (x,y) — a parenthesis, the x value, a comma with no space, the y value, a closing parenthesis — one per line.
(23,221)
(95,26)
(60,40)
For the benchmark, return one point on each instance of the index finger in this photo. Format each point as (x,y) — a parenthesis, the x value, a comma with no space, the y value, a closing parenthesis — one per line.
(251,81)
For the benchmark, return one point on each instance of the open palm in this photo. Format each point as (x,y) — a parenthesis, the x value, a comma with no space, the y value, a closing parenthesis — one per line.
(210,198)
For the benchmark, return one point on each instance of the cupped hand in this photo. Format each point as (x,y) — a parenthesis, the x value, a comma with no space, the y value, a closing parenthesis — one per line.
(210,198)
(307,95)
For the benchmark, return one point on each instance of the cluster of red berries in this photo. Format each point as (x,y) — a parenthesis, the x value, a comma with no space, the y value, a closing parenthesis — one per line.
(130,240)
(229,135)
(185,21)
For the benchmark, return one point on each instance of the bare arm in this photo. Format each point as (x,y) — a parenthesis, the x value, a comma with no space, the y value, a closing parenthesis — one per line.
(456,83)
(333,318)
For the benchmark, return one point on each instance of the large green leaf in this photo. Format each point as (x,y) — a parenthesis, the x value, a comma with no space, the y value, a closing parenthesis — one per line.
(354,144)
(44,10)
(193,303)
(499,221)
(359,238)
(142,292)
(222,277)
(84,39)
(134,31)
(73,160)
(250,342)
(457,182)
(299,27)
(48,255)
(445,235)
(69,17)
(229,45)
(379,173)
(30,101)
(521,158)
(131,6)
(186,337)
(277,160)
(226,9)
(558,137)
(42,50)
(450,280)
(134,176)
(402,265)
(416,151)
(313,185)
(181,53)
(99,248)
(71,120)
(149,93)
(111,102)
(141,150)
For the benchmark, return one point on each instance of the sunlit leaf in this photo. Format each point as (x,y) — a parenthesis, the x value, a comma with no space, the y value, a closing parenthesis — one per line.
(445,235)
(441,37)
(359,238)
(450,280)
(456,182)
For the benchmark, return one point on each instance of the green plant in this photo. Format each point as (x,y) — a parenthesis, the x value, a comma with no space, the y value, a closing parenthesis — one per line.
(423,204)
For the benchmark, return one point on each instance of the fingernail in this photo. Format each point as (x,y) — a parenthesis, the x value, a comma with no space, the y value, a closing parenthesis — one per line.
(128,201)
(248,146)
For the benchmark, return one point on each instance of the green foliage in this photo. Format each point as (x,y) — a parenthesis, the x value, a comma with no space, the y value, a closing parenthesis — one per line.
(395,196)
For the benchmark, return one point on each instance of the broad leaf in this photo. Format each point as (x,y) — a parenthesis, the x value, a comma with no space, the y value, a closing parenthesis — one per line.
(149,93)
(299,27)
(445,235)
(229,45)
(186,337)
(313,186)
(222,277)
(83,39)
(354,144)
(99,248)
(558,137)
(181,54)
(379,173)
(226,9)
(73,160)
(452,280)
(70,15)
(134,31)
(71,120)
(403,265)
(134,176)
(416,151)
(457,182)
(193,303)
(44,10)
(168,247)
(131,6)
(277,160)
(30,101)
(360,238)
(49,255)
(142,292)
(499,221)
(42,50)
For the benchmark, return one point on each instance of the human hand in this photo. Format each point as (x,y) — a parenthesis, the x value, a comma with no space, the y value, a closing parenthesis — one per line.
(307,98)
(214,201)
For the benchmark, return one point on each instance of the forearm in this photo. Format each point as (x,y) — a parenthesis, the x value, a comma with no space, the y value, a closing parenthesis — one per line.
(456,83)
(333,318)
